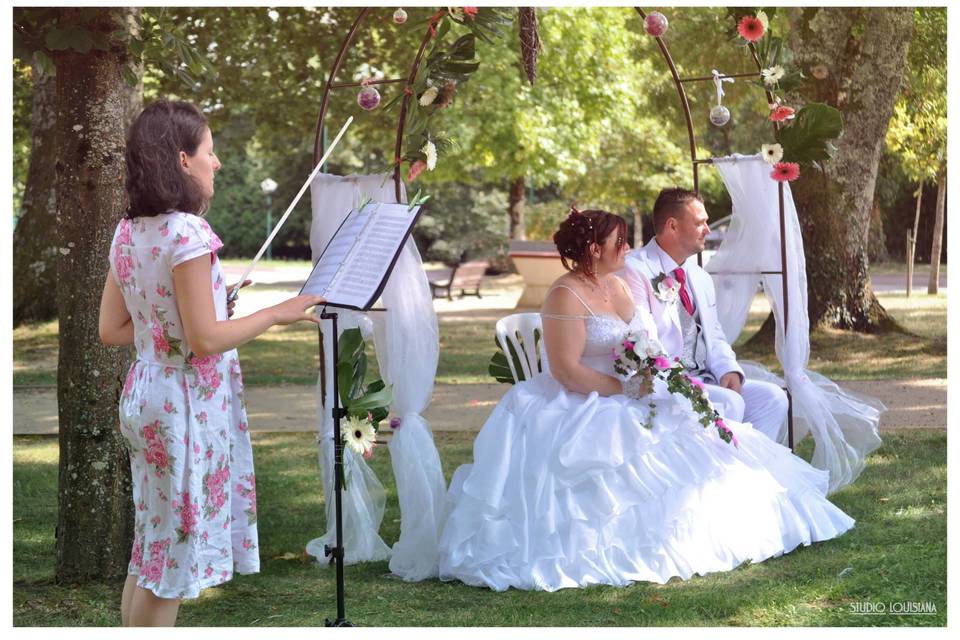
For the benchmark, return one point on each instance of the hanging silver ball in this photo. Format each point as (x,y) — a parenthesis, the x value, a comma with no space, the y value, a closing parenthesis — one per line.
(719,115)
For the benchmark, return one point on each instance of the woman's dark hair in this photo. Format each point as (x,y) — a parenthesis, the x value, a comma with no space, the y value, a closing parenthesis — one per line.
(580,230)
(156,182)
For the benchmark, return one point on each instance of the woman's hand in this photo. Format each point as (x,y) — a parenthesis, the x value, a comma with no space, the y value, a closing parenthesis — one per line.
(295,310)
(233,303)
(638,386)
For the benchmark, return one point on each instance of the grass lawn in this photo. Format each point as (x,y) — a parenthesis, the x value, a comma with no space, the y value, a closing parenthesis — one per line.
(288,355)
(844,355)
(896,553)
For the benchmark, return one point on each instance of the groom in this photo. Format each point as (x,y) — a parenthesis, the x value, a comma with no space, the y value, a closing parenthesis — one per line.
(686,315)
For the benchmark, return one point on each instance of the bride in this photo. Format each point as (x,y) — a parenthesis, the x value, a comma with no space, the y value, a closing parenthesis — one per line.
(580,479)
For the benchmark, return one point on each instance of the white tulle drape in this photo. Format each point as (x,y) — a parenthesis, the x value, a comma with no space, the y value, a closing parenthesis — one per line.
(407,346)
(844,426)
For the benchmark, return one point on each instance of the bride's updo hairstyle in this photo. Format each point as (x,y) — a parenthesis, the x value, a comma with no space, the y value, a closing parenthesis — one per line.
(579,231)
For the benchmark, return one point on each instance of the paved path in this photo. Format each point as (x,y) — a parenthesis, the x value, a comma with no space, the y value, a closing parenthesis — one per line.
(464,407)
(898,282)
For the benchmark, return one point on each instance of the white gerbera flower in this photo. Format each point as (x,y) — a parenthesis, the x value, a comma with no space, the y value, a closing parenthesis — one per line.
(430,150)
(764,20)
(772,153)
(429,96)
(771,75)
(358,434)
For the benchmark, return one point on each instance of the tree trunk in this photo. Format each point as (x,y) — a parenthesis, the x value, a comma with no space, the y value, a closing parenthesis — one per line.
(517,225)
(34,250)
(637,225)
(864,51)
(877,246)
(95,519)
(933,286)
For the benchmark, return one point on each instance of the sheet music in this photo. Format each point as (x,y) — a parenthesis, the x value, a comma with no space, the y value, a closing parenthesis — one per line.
(355,264)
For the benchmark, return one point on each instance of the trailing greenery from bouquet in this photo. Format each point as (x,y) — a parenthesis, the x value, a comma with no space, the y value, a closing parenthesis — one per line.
(639,355)
(366,403)
(804,137)
(449,63)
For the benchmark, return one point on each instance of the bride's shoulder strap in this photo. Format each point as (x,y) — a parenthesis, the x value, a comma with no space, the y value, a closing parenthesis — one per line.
(623,285)
(567,316)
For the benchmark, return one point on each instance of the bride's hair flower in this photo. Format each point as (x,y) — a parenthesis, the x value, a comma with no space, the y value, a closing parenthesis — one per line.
(358,434)
(750,28)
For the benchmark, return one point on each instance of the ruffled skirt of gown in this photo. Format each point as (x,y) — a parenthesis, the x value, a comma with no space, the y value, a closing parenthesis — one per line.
(568,490)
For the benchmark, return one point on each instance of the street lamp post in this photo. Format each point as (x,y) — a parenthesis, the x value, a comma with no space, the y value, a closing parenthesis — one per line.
(268,186)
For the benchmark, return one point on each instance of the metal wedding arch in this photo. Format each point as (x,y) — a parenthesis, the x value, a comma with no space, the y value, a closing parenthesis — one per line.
(679,82)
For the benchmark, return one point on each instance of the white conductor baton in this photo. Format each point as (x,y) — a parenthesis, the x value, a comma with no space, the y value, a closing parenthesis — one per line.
(236,289)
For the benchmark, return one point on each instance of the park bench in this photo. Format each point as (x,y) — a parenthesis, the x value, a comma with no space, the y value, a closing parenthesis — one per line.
(464,276)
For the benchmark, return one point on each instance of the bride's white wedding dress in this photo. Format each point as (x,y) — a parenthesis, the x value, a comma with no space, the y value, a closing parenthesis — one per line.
(569,490)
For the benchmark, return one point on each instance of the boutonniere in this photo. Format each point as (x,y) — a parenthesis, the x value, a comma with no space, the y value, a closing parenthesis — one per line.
(666,288)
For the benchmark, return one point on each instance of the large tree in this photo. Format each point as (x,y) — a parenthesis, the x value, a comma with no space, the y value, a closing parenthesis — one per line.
(94,103)
(35,258)
(854,60)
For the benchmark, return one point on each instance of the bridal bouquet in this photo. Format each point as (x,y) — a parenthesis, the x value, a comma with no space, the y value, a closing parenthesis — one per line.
(640,355)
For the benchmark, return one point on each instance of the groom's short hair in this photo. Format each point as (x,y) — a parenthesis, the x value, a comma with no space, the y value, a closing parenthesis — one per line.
(671,203)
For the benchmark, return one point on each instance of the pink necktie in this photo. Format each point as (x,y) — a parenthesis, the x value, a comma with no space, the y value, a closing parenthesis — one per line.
(685,300)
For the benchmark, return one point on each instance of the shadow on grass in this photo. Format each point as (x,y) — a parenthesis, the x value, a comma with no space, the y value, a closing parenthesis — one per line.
(896,552)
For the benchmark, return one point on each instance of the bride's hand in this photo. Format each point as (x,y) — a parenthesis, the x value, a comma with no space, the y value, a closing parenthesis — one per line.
(638,386)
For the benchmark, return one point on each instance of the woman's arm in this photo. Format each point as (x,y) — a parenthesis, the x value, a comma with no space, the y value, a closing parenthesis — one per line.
(115,324)
(207,335)
(565,340)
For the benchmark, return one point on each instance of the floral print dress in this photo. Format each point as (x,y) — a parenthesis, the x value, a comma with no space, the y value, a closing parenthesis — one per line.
(183,419)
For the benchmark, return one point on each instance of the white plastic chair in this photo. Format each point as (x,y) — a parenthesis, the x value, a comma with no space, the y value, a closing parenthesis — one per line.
(525,325)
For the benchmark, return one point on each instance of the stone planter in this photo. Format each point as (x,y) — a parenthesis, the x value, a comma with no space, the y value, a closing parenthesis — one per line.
(539,264)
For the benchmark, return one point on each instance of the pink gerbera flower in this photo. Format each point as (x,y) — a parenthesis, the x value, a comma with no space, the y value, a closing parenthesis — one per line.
(785,171)
(750,28)
(470,12)
(780,112)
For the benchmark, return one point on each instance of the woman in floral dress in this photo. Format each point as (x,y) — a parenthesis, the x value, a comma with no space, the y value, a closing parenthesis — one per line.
(182,409)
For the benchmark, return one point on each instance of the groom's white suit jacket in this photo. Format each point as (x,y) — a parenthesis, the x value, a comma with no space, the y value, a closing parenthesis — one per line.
(644,264)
